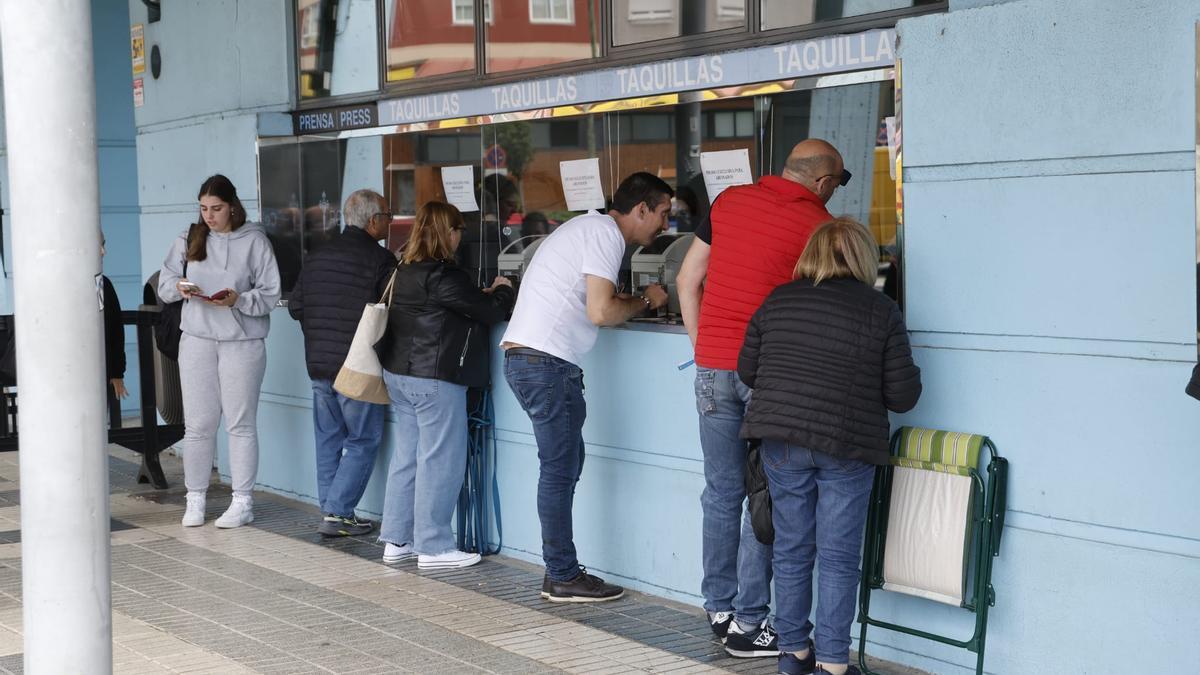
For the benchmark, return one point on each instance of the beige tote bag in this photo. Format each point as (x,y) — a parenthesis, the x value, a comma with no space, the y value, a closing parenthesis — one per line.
(361,376)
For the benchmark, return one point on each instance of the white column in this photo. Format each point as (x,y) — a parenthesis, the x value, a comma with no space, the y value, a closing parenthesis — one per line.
(49,94)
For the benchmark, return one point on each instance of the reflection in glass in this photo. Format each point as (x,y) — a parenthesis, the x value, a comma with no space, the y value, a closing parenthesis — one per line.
(516,164)
(426,38)
(335,47)
(636,21)
(784,13)
(538,33)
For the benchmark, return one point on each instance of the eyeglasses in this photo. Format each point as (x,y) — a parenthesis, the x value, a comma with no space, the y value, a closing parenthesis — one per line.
(843,179)
(386,215)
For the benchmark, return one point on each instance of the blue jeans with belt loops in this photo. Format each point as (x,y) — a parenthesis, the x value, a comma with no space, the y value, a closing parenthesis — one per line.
(737,568)
(819,509)
(550,390)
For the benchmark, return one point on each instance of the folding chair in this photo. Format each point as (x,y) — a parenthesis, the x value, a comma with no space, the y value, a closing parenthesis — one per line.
(933,529)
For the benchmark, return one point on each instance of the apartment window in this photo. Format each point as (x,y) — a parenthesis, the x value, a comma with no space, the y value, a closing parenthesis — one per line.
(551,11)
(734,10)
(732,124)
(464,12)
(651,11)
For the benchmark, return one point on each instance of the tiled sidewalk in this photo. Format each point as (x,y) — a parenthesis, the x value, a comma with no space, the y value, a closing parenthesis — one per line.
(275,597)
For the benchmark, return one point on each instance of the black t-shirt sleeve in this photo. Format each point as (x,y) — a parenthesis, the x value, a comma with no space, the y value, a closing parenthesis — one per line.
(704,229)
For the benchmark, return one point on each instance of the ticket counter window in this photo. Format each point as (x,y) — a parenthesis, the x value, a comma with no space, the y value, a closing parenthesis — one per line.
(301,197)
(638,21)
(335,49)
(790,13)
(540,33)
(428,38)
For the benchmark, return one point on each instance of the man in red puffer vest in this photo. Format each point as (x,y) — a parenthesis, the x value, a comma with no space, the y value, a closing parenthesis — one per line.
(749,246)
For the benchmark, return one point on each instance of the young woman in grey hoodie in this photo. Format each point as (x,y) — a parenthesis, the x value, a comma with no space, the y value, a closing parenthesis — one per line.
(225,271)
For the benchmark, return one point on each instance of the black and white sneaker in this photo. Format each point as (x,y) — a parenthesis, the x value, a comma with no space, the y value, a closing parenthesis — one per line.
(761,641)
(341,526)
(719,622)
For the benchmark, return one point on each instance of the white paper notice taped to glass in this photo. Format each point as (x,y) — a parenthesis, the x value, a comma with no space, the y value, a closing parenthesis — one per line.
(458,182)
(581,184)
(723,169)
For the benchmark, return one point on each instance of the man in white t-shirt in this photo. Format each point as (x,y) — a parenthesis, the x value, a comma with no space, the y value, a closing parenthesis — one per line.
(569,290)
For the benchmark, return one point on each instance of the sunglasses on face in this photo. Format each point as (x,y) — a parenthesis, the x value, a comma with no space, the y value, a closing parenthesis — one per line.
(843,179)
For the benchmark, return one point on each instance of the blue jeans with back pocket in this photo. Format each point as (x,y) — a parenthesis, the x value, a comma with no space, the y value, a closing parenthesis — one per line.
(550,390)
(819,509)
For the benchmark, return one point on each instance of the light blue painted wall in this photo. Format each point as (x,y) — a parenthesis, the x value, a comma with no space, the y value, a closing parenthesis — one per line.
(117,175)
(1050,241)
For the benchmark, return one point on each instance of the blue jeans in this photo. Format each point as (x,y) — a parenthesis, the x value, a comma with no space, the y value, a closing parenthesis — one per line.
(819,508)
(343,424)
(430,462)
(550,390)
(737,568)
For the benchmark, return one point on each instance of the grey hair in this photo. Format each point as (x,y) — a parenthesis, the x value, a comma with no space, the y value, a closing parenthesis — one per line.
(360,207)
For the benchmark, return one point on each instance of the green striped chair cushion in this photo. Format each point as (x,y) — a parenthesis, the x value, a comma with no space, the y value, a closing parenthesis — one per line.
(936,450)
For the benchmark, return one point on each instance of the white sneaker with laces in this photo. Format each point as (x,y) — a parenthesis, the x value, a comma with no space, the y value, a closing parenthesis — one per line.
(193,516)
(394,554)
(447,560)
(240,512)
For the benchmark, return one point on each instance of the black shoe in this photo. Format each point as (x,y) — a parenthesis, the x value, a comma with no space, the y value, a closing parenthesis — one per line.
(761,641)
(339,526)
(583,588)
(719,622)
(790,665)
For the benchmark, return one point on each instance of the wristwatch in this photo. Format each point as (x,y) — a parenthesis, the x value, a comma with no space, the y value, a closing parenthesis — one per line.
(647,301)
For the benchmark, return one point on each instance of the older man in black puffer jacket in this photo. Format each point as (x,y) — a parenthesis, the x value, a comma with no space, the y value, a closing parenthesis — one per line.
(334,285)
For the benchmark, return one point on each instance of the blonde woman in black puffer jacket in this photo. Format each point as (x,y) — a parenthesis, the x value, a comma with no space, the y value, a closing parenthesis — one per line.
(827,356)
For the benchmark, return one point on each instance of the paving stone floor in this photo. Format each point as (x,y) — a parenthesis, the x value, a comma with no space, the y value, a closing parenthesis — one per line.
(276,597)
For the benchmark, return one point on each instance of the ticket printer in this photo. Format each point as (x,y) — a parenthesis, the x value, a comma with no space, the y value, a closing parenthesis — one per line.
(659,263)
(515,258)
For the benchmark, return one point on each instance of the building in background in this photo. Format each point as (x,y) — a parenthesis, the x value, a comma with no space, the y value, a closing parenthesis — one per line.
(1046,222)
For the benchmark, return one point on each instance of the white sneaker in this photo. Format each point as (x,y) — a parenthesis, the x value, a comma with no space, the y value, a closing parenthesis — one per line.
(193,516)
(239,513)
(447,560)
(393,554)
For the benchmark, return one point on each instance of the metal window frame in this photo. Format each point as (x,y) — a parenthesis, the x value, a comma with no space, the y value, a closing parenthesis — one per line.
(659,50)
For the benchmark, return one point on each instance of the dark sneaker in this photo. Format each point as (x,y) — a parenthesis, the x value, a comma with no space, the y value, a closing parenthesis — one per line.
(761,641)
(850,670)
(719,622)
(583,588)
(340,526)
(790,665)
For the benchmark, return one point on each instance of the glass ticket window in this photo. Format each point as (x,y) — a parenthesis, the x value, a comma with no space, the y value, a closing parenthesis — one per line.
(790,13)
(428,38)
(335,48)
(538,33)
(301,192)
(637,21)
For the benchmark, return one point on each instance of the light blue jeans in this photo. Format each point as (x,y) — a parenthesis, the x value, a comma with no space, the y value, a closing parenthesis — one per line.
(819,508)
(737,569)
(347,437)
(429,464)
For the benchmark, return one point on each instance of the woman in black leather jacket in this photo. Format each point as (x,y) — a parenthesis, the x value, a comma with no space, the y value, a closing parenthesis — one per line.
(435,346)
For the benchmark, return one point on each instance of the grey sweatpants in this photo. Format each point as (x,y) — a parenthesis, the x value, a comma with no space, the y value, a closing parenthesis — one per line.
(220,377)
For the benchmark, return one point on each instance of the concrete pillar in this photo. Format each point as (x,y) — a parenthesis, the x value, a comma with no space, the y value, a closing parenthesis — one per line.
(49,92)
